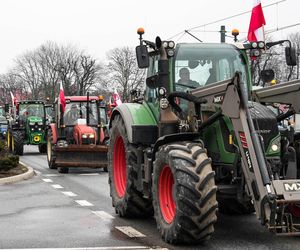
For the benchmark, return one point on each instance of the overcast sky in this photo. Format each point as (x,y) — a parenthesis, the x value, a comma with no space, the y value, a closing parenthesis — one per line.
(96,26)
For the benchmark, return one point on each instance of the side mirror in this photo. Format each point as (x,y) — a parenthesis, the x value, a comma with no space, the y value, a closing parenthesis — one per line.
(142,56)
(290,56)
(6,107)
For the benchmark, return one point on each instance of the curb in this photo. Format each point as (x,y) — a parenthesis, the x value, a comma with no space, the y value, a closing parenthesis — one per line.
(25,176)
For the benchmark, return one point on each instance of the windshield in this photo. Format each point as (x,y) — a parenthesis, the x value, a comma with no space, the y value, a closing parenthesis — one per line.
(77,110)
(197,65)
(31,109)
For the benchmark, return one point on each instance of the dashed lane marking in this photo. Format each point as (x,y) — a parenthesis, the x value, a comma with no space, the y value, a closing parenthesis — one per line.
(70,194)
(56,186)
(131,232)
(84,203)
(47,180)
(52,175)
(103,215)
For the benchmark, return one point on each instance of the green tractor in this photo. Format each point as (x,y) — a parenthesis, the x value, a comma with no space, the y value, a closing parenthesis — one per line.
(27,125)
(204,143)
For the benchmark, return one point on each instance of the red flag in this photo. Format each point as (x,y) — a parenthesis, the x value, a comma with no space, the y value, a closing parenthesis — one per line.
(117,99)
(257,22)
(62,98)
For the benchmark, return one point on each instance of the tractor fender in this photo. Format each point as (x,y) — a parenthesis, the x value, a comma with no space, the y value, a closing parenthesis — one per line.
(53,128)
(188,136)
(140,123)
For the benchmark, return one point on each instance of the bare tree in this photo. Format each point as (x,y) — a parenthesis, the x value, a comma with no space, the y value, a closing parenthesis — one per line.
(39,72)
(124,73)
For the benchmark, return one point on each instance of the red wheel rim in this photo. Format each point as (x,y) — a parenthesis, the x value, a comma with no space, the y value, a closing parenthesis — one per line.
(119,166)
(166,200)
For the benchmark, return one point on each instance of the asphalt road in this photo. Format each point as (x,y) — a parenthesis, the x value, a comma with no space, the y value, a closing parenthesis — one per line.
(74,210)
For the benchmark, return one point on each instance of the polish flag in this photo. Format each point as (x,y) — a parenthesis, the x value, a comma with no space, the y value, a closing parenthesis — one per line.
(62,98)
(257,22)
(116,98)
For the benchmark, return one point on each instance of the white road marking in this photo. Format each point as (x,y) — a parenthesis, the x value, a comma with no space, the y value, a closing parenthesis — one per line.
(95,248)
(130,231)
(91,174)
(52,175)
(56,186)
(70,194)
(84,203)
(47,180)
(103,215)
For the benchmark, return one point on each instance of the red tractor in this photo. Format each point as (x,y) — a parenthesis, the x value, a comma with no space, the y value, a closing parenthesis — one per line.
(78,136)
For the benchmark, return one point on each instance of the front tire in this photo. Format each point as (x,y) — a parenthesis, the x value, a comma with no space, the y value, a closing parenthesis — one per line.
(184,193)
(122,170)
(50,151)
(17,145)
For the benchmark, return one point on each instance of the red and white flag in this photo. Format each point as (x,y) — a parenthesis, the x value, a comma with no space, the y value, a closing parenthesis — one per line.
(116,98)
(62,98)
(257,22)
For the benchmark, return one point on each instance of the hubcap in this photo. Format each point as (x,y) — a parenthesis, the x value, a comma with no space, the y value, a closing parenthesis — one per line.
(166,200)
(119,167)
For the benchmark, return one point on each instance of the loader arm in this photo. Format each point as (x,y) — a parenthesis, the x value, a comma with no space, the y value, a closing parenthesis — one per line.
(285,93)
(229,98)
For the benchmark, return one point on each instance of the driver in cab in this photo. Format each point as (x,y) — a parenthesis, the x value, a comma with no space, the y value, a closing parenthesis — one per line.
(185,83)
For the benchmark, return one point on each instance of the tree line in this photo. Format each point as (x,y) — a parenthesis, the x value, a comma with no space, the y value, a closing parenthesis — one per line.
(37,74)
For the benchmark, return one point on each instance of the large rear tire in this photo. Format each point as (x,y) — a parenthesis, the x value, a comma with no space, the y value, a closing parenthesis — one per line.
(17,145)
(184,193)
(50,151)
(122,170)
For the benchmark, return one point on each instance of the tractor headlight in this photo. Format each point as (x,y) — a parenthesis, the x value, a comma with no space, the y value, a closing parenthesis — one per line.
(261,45)
(254,45)
(275,147)
(255,52)
(31,123)
(92,136)
(84,136)
(171,53)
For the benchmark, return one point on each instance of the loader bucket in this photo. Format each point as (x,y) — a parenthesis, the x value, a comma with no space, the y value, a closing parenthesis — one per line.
(91,156)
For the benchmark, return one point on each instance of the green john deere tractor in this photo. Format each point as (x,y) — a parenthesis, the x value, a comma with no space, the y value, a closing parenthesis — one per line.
(205,140)
(27,125)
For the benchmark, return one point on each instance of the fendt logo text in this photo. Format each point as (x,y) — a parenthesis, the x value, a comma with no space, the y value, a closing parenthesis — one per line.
(292,186)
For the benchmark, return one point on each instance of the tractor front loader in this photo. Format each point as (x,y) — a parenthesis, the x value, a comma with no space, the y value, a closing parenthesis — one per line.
(187,150)
(78,136)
